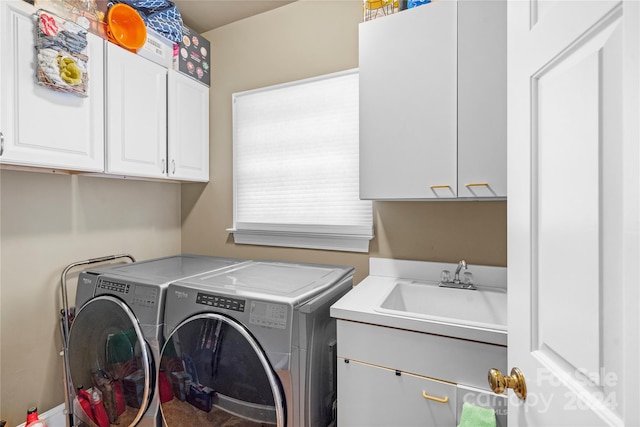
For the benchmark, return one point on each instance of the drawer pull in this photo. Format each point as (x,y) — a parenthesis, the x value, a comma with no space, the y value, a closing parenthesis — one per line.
(477,184)
(434,398)
(433,187)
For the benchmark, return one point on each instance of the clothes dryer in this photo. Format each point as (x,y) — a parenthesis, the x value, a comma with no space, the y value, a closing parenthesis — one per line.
(116,336)
(253,345)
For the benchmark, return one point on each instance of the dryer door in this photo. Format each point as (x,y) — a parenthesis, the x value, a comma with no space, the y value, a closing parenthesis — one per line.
(219,376)
(107,351)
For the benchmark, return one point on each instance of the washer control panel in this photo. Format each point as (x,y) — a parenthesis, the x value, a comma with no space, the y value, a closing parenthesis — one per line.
(219,301)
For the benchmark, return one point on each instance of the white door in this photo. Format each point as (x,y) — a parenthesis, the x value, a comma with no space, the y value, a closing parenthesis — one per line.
(573,211)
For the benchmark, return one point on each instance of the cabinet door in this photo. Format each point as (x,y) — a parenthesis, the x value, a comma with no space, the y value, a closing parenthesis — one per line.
(40,126)
(371,396)
(482,98)
(136,115)
(408,78)
(188,107)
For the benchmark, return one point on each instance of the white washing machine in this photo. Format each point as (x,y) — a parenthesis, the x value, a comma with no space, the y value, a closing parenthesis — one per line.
(253,345)
(116,335)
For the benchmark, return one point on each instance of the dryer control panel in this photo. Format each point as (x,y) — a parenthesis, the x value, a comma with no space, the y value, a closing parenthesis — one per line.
(219,301)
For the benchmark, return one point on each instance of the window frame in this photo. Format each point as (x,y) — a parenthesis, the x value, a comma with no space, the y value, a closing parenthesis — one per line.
(352,238)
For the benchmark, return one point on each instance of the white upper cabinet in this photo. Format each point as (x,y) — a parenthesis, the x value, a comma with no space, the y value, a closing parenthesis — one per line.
(408,104)
(157,120)
(188,127)
(482,98)
(41,127)
(433,102)
(120,128)
(136,115)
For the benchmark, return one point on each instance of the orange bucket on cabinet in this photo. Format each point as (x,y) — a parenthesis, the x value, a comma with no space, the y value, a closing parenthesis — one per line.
(126,27)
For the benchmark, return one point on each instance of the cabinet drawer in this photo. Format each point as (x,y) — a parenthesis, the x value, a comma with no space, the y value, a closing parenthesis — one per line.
(371,395)
(433,356)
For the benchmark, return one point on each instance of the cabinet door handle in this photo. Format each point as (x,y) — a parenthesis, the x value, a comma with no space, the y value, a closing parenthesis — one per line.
(477,184)
(1,143)
(173,166)
(434,398)
(163,164)
(439,186)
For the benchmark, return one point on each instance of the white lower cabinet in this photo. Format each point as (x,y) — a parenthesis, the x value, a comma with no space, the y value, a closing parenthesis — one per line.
(41,127)
(370,395)
(395,377)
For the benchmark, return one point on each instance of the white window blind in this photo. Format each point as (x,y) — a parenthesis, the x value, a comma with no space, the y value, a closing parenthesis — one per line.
(295,151)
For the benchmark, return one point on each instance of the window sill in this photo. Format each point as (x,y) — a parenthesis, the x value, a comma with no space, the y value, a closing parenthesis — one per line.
(324,241)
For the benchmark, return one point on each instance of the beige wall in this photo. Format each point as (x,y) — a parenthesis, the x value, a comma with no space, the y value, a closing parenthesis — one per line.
(301,40)
(47,222)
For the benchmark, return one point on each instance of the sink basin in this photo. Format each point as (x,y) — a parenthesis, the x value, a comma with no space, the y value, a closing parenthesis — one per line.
(482,308)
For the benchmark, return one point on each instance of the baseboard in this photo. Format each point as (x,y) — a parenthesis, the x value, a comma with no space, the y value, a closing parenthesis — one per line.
(55,417)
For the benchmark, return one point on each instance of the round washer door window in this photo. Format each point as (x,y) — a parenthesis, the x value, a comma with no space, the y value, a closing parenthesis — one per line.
(107,352)
(214,373)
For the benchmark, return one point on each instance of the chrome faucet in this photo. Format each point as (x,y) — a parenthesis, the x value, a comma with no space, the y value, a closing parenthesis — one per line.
(456,277)
(456,282)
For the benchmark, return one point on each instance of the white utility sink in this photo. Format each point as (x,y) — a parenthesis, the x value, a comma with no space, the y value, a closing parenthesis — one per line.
(482,308)
(405,295)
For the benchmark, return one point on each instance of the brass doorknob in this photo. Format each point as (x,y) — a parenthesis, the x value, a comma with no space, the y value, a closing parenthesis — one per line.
(499,383)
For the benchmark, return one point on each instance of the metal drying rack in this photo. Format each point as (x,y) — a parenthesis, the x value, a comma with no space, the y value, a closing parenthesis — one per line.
(65,322)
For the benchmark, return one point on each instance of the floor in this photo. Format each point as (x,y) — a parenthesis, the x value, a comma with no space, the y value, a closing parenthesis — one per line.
(183,414)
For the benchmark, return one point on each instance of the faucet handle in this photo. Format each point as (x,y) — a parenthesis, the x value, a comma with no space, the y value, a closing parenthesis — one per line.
(467,278)
(445,276)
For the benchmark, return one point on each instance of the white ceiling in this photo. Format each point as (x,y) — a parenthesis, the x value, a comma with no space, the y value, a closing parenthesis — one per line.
(205,15)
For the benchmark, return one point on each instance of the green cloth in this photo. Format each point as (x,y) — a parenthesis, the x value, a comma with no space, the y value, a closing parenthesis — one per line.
(121,346)
(475,416)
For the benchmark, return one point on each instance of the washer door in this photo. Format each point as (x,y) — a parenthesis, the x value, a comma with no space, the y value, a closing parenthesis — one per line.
(218,375)
(107,351)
